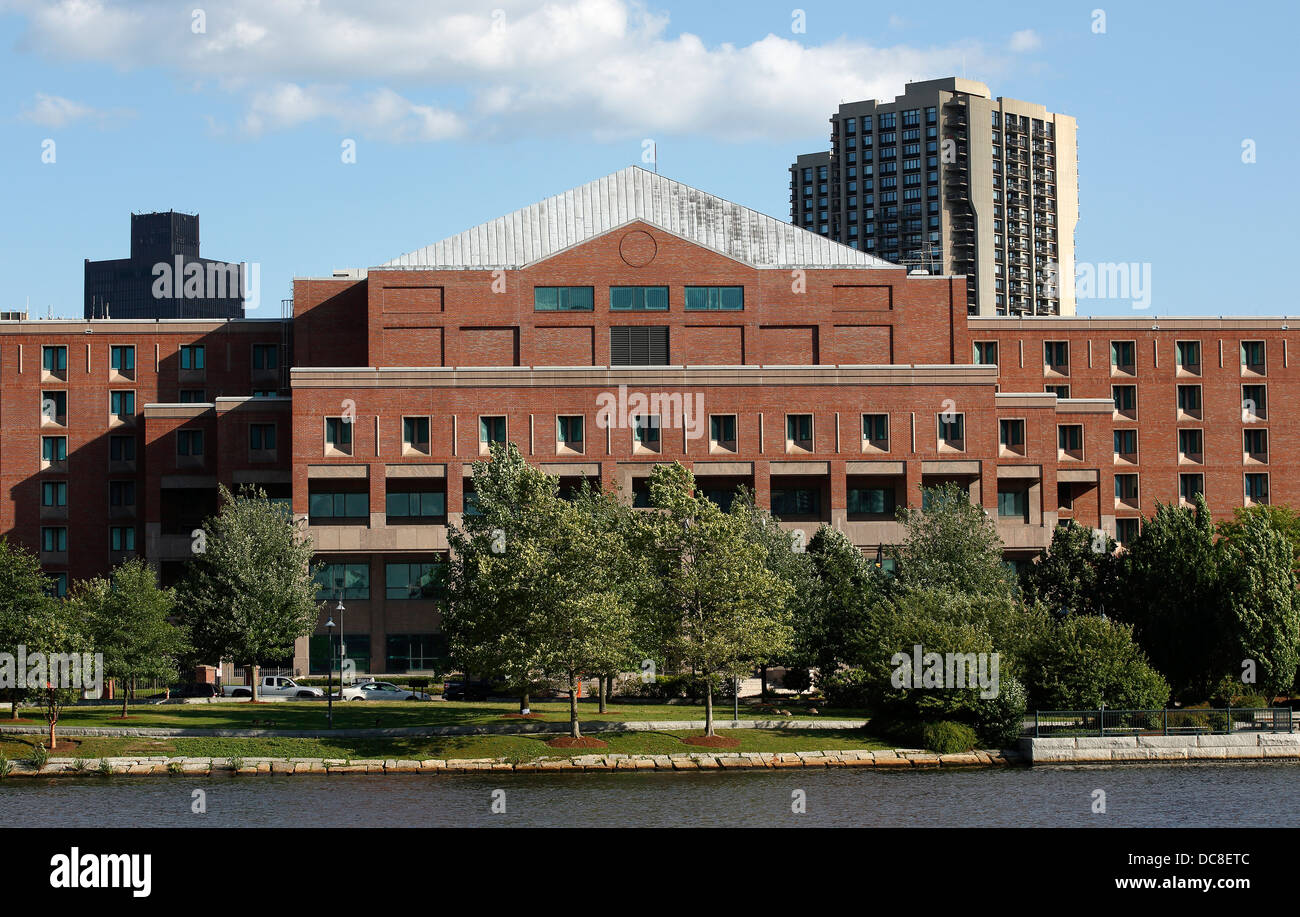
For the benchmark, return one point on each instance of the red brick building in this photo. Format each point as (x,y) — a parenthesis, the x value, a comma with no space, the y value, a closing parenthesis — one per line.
(625,323)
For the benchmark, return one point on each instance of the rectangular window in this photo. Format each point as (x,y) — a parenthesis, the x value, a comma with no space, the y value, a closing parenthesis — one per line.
(54,408)
(189,442)
(261,436)
(1013,504)
(646,432)
(266,356)
(121,538)
(875,432)
(1126,530)
(1060,391)
(426,504)
(491,430)
(192,356)
(796,501)
(871,501)
(709,299)
(54,539)
(640,345)
(569,432)
(952,431)
(1056,356)
(1191,446)
(330,505)
(1126,445)
(54,449)
(58,587)
(986,353)
(638,299)
(54,359)
(1254,403)
(343,581)
(122,405)
(564,299)
(54,493)
(121,493)
(122,358)
(121,448)
(1011,435)
(1252,356)
(1189,485)
(411,581)
(192,396)
(1069,439)
(1122,359)
(1256,445)
(722,432)
(338,432)
(1189,400)
(1257,488)
(1126,488)
(799,432)
(1125,397)
(415,434)
(1187,357)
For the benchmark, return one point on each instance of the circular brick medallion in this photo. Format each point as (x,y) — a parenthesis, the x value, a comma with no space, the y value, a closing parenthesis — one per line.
(638,248)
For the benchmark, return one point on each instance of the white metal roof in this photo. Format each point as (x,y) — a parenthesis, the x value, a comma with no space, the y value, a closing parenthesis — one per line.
(572,217)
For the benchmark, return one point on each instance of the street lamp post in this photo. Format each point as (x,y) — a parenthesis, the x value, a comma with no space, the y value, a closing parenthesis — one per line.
(329,686)
(342,645)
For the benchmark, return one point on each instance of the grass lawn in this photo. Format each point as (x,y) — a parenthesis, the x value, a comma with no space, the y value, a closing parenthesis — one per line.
(446,747)
(368,714)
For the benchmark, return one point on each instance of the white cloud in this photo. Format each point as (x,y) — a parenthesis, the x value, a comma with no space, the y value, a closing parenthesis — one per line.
(1025,40)
(56,111)
(598,68)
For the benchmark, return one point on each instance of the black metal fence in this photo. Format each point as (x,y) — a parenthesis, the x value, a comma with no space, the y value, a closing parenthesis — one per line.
(1191,721)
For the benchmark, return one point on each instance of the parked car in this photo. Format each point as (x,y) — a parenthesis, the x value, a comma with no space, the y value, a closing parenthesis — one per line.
(456,688)
(196,689)
(381,690)
(273,686)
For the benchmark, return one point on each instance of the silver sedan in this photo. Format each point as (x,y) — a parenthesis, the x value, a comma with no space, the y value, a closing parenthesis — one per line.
(381,690)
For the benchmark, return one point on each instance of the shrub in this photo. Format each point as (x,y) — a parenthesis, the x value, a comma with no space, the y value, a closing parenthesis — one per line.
(797,679)
(6,766)
(40,754)
(948,738)
(845,688)
(1001,719)
(1083,662)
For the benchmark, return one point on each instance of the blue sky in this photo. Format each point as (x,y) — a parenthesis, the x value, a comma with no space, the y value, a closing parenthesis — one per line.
(462,112)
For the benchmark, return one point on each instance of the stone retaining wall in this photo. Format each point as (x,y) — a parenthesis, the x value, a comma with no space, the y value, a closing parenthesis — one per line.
(1111,749)
(200,767)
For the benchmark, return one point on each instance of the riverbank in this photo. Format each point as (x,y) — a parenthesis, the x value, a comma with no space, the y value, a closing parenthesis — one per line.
(692,761)
(1255,746)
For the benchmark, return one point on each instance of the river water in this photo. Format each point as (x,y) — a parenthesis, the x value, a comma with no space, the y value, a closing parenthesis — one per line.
(1236,795)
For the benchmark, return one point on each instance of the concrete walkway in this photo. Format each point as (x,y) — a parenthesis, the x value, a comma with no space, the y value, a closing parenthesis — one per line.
(520,728)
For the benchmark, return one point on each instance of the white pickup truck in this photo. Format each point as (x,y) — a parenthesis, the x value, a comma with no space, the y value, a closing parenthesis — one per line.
(272,686)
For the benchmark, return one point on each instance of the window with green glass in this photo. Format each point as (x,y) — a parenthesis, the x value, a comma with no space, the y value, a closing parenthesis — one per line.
(122,404)
(343,580)
(425,504)
(189,442)
(266,356)
(1252,354)
(415,432)
(1069,437)
(638,299)
(122,538)
(193,356)
(569,431)
(338,431)
(491,429)
(1187,353)
(121,448)
(798,428)
(710,299)
(54,539)
(122,358)
(409,581)
(261,436)
(330,505)
(54,359)
(796,501)
(722,428)
(871,501)
(564,299)
(54,448)
(1121,354)
(1013,504)
(416,653)
(54,493)
(646,430)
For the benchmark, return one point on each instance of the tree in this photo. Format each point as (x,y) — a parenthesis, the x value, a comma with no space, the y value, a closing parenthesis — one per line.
(721,608)
(249,593)
(127,616)
(1073,577)
(1169,589)
(835,606)
(1260,580)
(490,603)
(1282,518)
(1084,662)
(23,589)
(56,633)
(952,544)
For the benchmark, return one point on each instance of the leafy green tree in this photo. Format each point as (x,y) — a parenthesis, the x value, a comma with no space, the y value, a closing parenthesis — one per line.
(491,615)
(1281,517)
(722,609)
(1170,590)
(55,629)
(23,589)
(1073,577)
(952,544)
(1086,661)
(1264,613)
(836,604)
(128,618)
(249,592)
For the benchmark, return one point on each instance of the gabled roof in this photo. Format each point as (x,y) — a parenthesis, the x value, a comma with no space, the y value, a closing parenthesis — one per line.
(568,219)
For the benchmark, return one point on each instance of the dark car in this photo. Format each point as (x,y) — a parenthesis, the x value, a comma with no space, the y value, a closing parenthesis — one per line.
(195,690)
(457,688)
